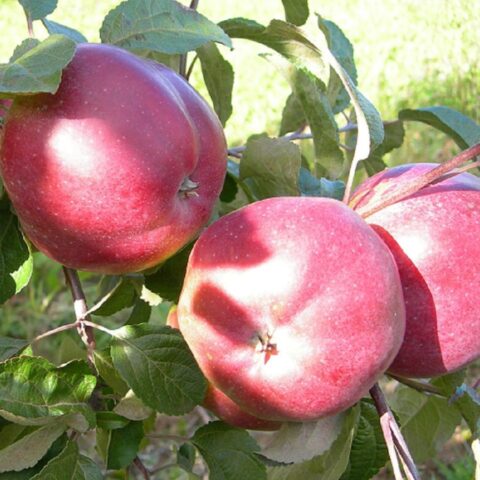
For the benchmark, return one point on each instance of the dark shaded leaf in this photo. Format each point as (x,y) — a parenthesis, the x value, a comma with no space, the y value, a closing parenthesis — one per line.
(271,166)
(37,9)
(296,11)
(218,76)
(462,129)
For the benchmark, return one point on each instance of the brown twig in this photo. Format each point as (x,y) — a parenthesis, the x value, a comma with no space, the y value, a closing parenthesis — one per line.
(418,385)
(31,32)
(81,309)
(141,468)
(393,437)
(421,181)
(59,329)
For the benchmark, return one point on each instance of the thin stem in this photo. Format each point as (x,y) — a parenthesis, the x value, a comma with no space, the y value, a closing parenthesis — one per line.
(182,68)
(393,436)
(31,32)
(141,467)
(90,324)
(190,68)
(421,181)
(81,309)
(417,385)
(62,328)
(173,438)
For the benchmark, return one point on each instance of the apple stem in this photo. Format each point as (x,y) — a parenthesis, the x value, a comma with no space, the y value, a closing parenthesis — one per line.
(81,312)
(427,178)
(393,437)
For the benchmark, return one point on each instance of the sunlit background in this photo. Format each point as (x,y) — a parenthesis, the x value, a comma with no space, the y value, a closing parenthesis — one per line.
(409,54)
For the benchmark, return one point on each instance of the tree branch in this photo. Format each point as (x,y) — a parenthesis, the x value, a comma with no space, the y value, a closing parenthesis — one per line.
(81,309)
(142,469)
(393,437)
(422,181)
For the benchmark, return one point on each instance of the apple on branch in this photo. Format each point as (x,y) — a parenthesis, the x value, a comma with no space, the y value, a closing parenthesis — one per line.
(119,169)
(292,307)
(433,235)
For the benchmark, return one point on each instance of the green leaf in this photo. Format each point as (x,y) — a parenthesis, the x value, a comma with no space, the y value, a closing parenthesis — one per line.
(16,262)
(37,9)
(39,69)
(296,11)
(328,466)
(57,28)
(218,76)
(370,126)
(167,281)
(230,188)
(342,49)
(110,420)
(69,465)
(10,347)
(140,313)
(229,452)
(158,366)
(271,166)
(311,186)
(162,26)
(293,116)
(26,445)
(462,129)
(298,442)
(121,296)
(132,407)
(122,445)
(186,457)
(311,94)
(23,48)
(284,38)
(369,452)
(35,392)
(427,422)
(108,372)
(462,397)
(394,135)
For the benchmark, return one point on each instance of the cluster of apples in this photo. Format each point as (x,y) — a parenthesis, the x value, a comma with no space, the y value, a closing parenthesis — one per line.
(293,307)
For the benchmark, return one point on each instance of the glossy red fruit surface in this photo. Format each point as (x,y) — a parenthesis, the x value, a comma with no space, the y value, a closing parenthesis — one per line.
(433,236)
(292,307)
(119,169)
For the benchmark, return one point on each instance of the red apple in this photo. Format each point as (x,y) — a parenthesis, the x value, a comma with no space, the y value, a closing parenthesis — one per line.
(292,307)
(222,406)
(434,237)
(119,169)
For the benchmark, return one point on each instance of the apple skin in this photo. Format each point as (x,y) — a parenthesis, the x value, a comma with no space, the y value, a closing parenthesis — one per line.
(316,284)
(433,236)
(223,407)
(95,171)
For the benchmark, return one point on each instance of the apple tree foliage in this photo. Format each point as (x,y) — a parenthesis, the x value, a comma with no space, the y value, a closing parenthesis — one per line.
(91,421)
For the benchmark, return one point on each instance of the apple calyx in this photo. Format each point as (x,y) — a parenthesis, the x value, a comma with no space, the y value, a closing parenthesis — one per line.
(188,188)
(410,188)
(266,346)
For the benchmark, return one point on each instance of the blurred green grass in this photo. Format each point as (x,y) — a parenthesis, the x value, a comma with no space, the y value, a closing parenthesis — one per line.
(409,54)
